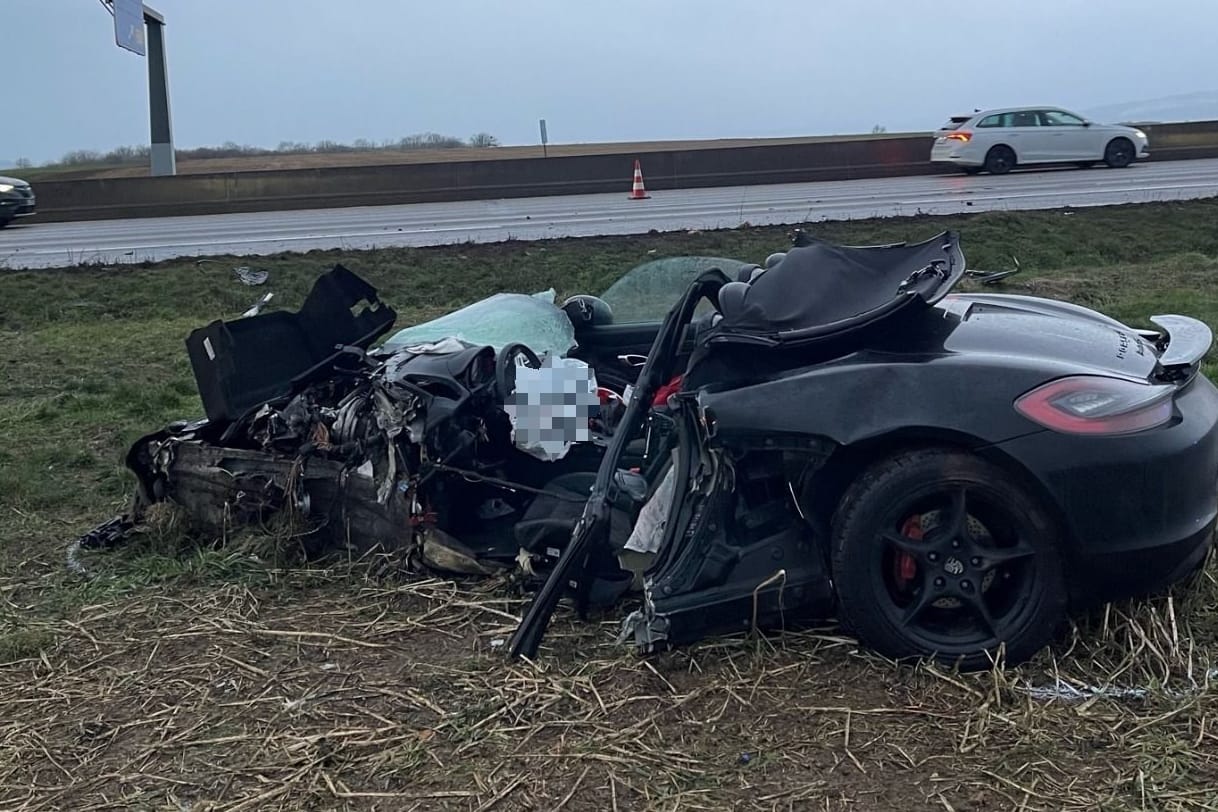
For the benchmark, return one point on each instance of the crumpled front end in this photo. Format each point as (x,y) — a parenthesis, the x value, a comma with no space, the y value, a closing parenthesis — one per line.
(408,451)
(354,462)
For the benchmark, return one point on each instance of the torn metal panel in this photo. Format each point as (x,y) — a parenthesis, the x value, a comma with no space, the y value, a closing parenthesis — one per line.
(1061,690)
(241,364)
(223,489)
(251,276)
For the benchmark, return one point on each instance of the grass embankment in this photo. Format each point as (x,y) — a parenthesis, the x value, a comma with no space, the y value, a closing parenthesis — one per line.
(184,677)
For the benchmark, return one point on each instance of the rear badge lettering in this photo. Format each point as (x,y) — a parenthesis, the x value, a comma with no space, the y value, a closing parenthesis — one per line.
(1123,342)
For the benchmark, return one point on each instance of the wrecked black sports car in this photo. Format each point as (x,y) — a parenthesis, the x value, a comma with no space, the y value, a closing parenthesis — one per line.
(830,433)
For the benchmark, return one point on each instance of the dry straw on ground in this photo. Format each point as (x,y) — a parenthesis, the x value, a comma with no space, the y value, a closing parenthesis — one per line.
(322,689)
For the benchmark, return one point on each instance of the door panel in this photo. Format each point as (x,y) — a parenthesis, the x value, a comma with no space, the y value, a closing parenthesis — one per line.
(1068,139)
(1029,139)
(617,351)
(1095,141)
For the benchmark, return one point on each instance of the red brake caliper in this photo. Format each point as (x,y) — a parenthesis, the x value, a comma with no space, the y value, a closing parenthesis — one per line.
(907,567)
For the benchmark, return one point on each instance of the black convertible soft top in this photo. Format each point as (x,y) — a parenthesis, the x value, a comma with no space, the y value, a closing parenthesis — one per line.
(821,289)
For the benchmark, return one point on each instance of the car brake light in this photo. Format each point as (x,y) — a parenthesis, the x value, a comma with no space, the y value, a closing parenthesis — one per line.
(959,136)
(1093,405)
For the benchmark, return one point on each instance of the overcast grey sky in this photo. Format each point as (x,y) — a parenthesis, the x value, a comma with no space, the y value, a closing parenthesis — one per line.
(263,71)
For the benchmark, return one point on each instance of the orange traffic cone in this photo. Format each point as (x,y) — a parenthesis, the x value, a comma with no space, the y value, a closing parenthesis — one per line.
(638,192)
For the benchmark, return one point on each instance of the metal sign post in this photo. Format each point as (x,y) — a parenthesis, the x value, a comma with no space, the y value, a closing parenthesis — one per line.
(164,161)
(544,152)
(141,30)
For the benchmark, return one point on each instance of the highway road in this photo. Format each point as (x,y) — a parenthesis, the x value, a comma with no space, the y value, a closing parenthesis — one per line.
(30,244)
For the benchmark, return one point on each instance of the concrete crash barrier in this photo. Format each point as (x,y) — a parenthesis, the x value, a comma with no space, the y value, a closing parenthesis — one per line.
(816,159)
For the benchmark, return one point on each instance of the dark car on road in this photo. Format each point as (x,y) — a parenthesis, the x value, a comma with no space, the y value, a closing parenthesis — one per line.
(16,200)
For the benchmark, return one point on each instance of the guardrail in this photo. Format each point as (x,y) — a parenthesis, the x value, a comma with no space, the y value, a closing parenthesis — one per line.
(684,168)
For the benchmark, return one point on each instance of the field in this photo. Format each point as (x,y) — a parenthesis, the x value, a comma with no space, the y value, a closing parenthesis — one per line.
(187,675)
(381,157)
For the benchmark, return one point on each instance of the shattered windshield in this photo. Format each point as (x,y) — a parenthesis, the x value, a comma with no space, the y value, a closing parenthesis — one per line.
(647,292)
(505,318)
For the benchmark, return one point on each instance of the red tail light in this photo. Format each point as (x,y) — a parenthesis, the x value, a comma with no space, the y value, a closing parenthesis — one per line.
(1097,406)
(959,135)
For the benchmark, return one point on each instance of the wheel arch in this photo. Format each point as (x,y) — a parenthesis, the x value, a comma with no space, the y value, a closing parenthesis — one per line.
(1120,137)
(821,487)
(867,608)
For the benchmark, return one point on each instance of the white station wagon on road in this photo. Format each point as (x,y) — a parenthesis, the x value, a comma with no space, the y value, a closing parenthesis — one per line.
(999,140)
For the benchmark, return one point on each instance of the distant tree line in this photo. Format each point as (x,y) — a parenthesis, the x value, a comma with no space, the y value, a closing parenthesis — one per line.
(230,149)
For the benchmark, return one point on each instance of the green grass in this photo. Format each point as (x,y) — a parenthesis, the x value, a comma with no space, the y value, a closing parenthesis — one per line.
(91,358)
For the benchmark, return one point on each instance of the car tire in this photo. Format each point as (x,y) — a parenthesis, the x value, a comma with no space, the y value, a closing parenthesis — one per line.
(1119,153)
(986,572)
(1000,160)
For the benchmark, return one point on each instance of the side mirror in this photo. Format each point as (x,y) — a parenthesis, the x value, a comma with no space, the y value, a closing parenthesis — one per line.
(1086,123)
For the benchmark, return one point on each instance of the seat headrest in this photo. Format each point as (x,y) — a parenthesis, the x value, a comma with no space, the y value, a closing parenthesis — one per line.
(774,259)
(745,274)
(731,298)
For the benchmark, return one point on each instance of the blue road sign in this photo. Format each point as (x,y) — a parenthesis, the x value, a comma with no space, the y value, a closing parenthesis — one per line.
(129,25)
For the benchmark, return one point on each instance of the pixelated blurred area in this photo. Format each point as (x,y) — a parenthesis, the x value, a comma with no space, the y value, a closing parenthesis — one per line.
(551,407)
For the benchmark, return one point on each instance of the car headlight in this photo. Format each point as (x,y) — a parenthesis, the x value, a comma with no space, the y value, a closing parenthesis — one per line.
(1139,134)
(6,187)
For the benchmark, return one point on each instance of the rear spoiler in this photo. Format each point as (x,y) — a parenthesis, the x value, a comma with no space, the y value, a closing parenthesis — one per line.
(1188,340)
